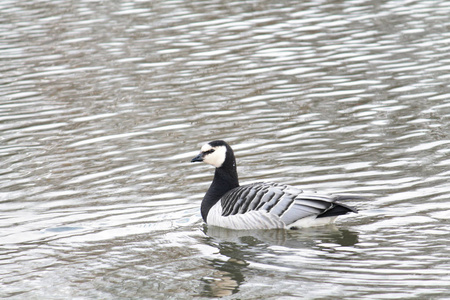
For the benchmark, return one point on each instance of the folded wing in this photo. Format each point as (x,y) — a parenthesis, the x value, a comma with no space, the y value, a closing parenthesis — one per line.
(287,203)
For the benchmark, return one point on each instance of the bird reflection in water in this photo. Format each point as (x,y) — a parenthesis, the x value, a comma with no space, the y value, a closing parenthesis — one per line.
(240,248)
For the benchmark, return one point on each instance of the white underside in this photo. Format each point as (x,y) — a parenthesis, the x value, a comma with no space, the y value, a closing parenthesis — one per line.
(259,220)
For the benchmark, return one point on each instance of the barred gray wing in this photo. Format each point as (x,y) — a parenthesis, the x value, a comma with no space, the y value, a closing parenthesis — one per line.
(286,202)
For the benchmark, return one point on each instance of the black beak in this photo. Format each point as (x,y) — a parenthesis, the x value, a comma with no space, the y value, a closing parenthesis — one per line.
(198,158)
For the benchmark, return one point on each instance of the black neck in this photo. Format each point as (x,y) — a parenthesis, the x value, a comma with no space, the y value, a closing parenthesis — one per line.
(225,179)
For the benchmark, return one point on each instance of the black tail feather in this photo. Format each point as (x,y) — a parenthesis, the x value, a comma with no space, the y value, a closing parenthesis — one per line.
(337,210)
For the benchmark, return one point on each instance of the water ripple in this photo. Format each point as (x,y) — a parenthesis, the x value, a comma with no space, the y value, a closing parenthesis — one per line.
(103,104)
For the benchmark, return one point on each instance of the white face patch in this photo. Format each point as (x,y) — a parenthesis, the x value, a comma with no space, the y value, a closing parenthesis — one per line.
(206,147)
(214,155)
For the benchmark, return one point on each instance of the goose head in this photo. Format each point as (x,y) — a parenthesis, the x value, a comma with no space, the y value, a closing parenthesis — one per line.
(215,153)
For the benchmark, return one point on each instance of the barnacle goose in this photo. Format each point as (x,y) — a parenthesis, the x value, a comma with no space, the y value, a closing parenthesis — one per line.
(261,205)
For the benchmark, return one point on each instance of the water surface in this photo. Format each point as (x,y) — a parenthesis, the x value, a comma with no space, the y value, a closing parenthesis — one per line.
(103,104)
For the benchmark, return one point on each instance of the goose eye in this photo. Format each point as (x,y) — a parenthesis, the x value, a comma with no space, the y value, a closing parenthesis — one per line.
(209,151)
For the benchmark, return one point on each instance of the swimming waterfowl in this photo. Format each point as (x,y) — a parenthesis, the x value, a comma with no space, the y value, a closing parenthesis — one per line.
(261,205)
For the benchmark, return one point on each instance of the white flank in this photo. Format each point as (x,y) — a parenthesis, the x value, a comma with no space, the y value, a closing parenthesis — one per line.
(251,220)
(312,221)
(258,219)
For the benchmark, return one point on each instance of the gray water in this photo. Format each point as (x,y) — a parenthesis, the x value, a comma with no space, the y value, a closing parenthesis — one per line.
(104,103)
